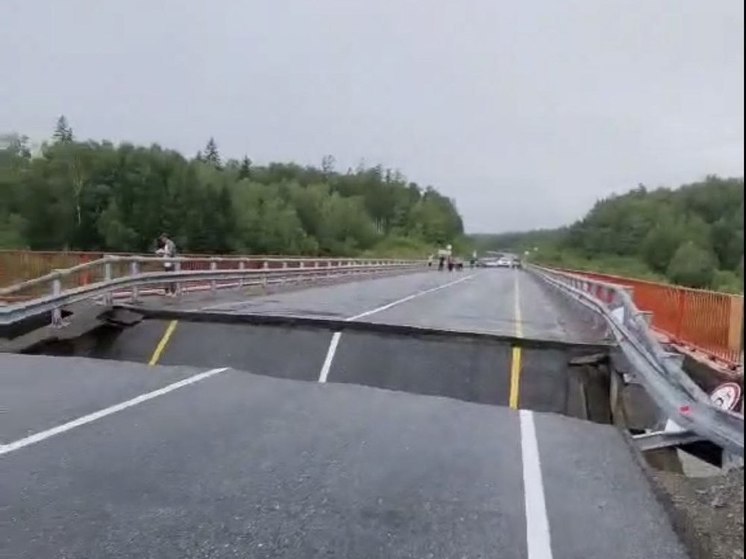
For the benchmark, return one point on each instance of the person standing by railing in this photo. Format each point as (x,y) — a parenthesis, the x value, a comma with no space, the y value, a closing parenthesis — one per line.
(167,249)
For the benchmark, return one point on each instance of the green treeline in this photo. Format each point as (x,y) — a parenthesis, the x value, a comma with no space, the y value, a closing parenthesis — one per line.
(690,236)
(100,196)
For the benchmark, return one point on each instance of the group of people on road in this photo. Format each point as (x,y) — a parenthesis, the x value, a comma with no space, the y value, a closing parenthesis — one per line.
(447,260)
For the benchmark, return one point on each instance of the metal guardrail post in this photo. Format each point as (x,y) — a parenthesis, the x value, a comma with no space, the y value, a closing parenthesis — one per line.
(265,267)
(108,298)
(241,267)
(213,283)
(177,268)
(134,271)
(57,311)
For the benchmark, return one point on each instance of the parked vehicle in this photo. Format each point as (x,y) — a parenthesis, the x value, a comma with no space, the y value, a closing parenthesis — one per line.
(504,263)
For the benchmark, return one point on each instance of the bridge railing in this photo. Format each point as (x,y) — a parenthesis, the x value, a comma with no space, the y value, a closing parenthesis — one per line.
(17,266)
(705,321)
(134,276)
(661,372)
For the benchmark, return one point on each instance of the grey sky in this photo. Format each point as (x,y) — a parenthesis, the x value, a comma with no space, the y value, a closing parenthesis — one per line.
(525,112)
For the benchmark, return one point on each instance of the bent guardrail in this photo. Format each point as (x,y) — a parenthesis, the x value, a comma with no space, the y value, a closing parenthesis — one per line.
(126,276)
(660,371)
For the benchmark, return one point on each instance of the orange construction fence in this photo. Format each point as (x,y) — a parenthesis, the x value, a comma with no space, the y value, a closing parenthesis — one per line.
(706,321)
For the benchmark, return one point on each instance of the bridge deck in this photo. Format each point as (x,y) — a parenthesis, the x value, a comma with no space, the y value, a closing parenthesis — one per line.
(234,464)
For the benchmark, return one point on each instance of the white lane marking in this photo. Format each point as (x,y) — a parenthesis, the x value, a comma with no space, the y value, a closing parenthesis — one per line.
(538,536)
(409,298)
(326,367)
(329,357)
(42,435)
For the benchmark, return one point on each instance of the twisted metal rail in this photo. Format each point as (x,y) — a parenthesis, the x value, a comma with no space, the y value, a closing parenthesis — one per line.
(660,371)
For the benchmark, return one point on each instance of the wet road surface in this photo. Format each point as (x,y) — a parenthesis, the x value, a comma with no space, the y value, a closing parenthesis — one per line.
(242,465)
(495,301)
(317,442)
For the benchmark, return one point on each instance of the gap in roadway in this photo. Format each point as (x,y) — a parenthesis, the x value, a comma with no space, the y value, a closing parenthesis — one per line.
(334,343)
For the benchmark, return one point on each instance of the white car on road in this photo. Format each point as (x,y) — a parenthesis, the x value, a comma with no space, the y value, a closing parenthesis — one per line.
(504,263)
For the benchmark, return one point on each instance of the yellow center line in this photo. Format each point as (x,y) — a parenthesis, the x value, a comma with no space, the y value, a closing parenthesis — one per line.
(515,378)
(518,315)
(516,358)
(161,347)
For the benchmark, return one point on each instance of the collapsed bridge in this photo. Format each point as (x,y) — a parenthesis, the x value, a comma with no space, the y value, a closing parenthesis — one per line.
(370,410)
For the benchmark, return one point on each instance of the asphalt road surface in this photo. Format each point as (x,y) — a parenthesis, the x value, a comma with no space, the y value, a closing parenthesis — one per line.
(131,461)
(499,301)
(365,444)
(513,372)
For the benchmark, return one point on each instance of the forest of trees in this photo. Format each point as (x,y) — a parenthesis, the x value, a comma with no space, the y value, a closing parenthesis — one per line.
(690,236)
(85,195)
(99,196)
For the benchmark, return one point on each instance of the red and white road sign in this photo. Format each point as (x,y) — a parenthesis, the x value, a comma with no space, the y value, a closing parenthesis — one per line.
(726,396)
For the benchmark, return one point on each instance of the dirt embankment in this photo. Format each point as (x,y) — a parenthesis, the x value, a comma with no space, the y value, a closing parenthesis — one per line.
(708,512)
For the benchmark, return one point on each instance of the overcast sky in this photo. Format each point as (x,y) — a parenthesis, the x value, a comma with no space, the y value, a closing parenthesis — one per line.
(525,112)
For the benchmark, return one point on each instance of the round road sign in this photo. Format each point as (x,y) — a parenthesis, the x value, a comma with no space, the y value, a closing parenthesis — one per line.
(726,396)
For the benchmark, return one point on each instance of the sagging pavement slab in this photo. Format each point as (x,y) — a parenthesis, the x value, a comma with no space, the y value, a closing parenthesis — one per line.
(241,465)
(468,366)
(334,324)
(471,369)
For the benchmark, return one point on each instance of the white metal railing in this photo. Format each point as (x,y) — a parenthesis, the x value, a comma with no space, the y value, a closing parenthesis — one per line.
(129,277)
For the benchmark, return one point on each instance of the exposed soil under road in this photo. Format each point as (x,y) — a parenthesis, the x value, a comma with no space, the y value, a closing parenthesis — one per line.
(708,512)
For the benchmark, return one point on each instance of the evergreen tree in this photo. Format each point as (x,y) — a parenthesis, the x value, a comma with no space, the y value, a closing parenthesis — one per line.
(212,156)
(244,172)
(62,131)
(327,165)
